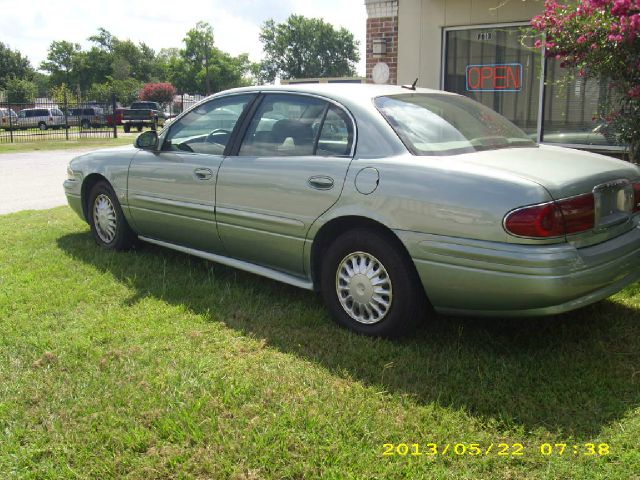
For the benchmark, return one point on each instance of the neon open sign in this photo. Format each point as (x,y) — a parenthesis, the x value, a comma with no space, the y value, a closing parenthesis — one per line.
(496,77)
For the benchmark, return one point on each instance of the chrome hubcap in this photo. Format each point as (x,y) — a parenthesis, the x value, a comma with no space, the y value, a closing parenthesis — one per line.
(364,287)
(104,218)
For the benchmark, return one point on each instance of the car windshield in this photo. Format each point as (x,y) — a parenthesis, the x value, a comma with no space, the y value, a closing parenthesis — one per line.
(437,124)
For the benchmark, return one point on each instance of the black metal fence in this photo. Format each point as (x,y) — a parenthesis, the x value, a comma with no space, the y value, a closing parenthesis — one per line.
(69,119)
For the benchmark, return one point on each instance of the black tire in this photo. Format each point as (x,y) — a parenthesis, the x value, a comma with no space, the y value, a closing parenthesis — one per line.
(406,298)
(85,124)
(126,127)
(154,125)
(123,236)
(42,126)
(139,128)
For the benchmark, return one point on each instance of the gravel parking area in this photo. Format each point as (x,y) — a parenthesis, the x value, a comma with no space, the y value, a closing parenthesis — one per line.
(33,180)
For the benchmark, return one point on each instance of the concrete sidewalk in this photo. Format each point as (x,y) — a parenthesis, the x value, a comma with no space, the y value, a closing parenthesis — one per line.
(33,180)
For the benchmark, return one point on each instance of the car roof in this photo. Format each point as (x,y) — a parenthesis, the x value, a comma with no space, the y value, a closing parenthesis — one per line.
(343,92)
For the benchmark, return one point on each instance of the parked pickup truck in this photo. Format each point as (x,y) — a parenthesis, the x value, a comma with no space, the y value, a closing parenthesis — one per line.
(142,114)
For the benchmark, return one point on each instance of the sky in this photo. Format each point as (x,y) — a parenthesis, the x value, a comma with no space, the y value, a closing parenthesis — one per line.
(31,25)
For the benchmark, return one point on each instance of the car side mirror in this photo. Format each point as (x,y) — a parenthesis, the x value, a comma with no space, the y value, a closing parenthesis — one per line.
(147,140)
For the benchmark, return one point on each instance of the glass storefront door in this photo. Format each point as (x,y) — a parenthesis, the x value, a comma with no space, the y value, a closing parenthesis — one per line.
(497,66)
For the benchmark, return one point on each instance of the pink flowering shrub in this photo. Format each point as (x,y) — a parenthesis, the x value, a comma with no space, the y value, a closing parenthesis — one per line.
(600,38)
(162,93)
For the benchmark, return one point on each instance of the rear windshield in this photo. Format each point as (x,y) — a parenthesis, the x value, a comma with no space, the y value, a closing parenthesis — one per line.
(141,105)
(436,124)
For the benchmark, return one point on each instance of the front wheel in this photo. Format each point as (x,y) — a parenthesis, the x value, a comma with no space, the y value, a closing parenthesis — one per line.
(126,127)
(108,225)
(42,126)
(370,285)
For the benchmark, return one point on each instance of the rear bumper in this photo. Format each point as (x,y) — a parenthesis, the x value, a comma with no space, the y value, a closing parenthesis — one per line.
(470,277)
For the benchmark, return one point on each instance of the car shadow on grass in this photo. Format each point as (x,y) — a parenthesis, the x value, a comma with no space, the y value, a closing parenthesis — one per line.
(571,374)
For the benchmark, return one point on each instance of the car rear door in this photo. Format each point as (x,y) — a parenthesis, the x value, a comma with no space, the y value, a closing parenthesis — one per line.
(289,168)
(171,192)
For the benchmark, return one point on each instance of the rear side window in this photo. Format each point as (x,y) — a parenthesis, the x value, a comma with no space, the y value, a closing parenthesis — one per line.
(336,136)
(297,125)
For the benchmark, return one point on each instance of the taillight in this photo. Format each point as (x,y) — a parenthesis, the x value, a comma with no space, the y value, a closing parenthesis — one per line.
(552,219)
(636,197)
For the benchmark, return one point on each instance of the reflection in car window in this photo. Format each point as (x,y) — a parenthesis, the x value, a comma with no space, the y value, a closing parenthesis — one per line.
(437,124)
(207,129)
(284,125)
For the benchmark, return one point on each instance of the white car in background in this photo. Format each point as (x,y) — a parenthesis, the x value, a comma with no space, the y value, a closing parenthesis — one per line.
(41,118)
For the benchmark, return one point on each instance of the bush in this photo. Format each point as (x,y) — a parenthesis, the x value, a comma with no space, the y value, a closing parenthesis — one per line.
(162,93)
(600,38)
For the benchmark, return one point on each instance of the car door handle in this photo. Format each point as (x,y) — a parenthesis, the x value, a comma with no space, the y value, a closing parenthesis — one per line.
(203,173)
(320,182)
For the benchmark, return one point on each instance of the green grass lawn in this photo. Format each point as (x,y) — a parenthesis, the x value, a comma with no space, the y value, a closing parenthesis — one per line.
(62,144)
(155,365)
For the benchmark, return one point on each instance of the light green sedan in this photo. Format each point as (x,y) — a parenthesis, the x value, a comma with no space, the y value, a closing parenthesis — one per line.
(392,202)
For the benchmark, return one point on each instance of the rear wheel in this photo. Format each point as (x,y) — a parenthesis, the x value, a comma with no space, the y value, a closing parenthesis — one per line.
(139,128)
(370,284)
(108,225)
(42,126)
(85,124)
(126,127)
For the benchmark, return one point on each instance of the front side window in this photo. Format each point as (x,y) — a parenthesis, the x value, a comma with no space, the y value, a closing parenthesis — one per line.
(207,129)
(437,124)
(284,125)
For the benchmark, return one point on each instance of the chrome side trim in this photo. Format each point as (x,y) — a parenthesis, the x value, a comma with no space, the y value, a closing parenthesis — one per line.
(261,217)
(239,264)
(156,212)
(175,203)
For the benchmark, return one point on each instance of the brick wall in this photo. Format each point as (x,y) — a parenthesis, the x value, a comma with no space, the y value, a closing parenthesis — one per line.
(387,28)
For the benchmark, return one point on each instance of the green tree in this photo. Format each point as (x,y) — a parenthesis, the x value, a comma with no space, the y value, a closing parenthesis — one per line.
(204,67)
(61,94)
(21,91)
(42,82)
(13,65)
(97,65)
(62,62)
(305,48)
(104,39)
(199,51)
(99,92)
(126,91)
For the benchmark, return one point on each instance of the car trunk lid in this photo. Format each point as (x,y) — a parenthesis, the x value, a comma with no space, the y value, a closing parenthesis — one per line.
(567,173)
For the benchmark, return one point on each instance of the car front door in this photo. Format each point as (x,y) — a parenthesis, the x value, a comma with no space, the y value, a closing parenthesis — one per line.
(171,191)
(289,169)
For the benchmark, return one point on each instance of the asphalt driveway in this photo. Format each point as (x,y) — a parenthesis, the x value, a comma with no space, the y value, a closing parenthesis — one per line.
(33,180)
